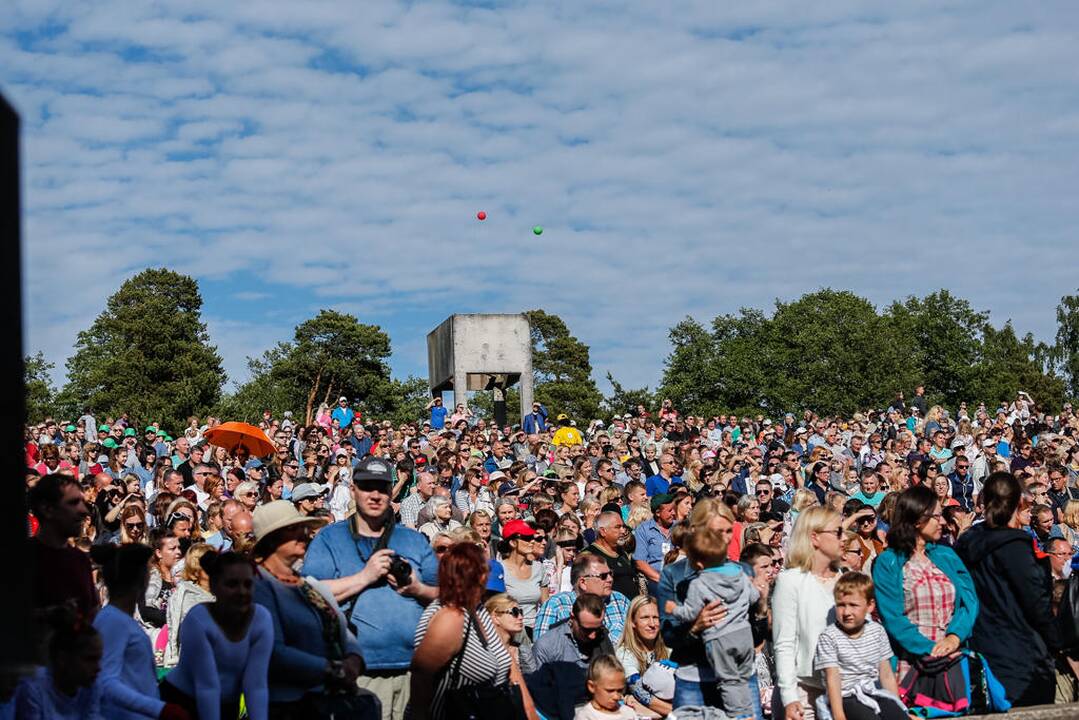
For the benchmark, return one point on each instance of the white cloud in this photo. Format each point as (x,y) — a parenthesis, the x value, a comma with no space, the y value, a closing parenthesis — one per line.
(682,162)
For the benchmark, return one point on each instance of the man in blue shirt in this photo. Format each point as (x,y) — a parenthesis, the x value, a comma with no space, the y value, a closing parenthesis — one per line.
(353,558)
(438,413)
(654,540)
(342,413)
(536,421)
(498,457)
(661,483)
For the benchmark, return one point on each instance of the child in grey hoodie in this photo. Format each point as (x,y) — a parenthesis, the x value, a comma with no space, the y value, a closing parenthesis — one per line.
(728,643)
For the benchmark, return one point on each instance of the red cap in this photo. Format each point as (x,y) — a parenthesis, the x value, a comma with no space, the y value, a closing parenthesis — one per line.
(518,528)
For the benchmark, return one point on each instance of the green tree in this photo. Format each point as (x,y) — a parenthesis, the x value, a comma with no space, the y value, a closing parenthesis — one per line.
(40,393)
(1009,364)
(147,354)
(691,376)
(623,400)
(330,355)
(943,334)
(562,368)
(408,401)
(1066,350)
(829,351)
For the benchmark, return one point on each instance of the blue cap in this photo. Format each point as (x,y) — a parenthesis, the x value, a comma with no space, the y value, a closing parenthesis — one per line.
(496,577)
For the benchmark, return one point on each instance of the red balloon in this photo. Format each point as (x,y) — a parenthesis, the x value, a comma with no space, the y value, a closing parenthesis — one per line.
(481,215)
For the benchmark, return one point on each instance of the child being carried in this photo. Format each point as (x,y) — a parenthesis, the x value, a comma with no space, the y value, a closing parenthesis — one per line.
(728,643)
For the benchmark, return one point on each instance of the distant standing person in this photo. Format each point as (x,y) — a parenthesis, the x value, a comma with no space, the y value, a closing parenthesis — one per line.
(438,413)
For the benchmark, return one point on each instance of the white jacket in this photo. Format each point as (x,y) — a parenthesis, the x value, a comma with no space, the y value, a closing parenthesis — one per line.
(802,606)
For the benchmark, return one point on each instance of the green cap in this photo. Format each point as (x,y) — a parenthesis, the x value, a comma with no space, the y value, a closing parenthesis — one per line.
(162,433)
(168,438)
(150,428)
(109,443)
(69,428)
(660,500)
(130,432)
(103,428)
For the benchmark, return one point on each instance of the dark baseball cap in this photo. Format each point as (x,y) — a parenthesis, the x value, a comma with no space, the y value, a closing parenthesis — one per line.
(660,500)
(373,469)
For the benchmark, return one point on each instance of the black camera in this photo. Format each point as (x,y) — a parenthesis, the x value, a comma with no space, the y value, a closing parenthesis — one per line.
(401,570)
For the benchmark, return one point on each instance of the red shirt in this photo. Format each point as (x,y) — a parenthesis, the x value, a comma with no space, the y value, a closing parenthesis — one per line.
(60,575)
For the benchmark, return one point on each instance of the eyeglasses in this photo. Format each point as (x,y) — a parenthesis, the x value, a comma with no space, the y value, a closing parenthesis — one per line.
(514,611)
(601,576)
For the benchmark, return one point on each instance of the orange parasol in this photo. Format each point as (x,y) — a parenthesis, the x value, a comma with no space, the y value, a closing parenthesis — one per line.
(232,435)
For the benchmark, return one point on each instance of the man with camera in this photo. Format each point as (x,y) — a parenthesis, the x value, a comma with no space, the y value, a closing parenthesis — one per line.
(382,575)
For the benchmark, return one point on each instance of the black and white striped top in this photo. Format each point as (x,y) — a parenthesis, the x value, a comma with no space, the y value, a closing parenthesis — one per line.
(479,665)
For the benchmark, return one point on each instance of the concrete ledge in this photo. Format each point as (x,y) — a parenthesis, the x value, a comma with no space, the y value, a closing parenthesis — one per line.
(1040,712)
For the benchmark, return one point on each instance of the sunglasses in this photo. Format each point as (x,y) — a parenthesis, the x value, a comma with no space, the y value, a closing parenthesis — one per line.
(134,526)
(514,611)
(590,632)
(602,576)
(441,549)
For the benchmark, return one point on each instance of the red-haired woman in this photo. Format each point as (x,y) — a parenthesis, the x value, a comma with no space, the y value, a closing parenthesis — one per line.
(457,645)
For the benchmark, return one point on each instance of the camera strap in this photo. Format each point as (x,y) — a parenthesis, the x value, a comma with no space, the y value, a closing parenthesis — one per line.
(381,544)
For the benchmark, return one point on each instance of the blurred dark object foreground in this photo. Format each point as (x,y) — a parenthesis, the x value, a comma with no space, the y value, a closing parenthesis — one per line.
(17,635)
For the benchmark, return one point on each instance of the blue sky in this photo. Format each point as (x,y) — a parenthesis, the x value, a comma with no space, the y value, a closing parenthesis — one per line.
(685,159)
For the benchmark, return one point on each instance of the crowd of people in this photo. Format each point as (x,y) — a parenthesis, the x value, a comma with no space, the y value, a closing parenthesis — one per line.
(655,565)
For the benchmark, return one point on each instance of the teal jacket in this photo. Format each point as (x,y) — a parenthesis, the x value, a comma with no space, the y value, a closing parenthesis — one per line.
(888,578)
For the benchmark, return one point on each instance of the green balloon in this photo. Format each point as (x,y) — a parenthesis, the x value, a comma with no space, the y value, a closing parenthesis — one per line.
(538,230)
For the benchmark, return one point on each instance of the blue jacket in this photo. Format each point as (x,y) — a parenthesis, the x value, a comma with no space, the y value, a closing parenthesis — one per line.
(888,577)
(298,662)
(535,422)
(385,621)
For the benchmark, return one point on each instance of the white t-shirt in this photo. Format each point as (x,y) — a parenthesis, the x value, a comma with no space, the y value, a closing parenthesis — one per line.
(590,712)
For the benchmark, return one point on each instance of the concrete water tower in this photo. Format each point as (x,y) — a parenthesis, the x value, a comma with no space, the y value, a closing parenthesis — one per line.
(482,352)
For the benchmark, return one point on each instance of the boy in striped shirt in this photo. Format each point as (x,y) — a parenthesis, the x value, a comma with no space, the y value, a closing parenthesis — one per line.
(855,658)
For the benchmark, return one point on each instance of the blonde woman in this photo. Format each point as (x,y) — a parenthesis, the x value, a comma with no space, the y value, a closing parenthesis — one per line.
(638,515)
(508,619)
(192,589)
(640,646)
(800,606)
(1070,526)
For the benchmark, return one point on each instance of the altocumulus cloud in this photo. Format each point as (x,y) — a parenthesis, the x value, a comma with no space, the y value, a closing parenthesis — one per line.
(684,159)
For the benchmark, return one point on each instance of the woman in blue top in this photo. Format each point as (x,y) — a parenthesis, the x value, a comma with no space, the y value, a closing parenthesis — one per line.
(127,679)
(925,595)
(313,650)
